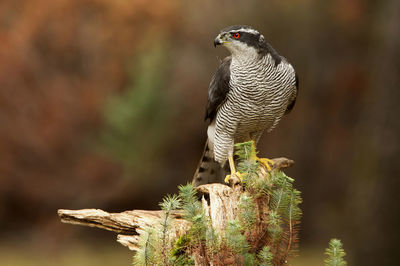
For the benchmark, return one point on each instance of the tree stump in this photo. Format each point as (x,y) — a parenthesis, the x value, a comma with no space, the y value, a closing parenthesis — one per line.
(219,201)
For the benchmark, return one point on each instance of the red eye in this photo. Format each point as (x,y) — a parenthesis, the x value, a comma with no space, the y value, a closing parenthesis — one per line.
(236,35)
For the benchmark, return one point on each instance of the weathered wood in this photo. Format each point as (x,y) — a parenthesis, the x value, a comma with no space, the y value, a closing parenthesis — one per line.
(129,224)
(219,201)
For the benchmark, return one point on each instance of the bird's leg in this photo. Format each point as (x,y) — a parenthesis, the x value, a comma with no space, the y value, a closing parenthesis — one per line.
(234,174)
(269,164)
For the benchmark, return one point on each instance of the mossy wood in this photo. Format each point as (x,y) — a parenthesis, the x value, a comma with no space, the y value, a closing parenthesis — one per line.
(258,211)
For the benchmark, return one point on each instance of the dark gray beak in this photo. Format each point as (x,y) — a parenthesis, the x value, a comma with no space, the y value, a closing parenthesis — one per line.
(217,41)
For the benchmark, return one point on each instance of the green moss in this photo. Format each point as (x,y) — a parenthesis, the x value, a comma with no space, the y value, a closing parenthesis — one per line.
(179,251)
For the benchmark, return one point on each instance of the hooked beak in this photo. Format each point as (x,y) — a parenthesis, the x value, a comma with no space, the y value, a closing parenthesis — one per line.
(217,41)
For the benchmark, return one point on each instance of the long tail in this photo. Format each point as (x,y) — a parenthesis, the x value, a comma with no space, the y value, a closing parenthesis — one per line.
(208,170)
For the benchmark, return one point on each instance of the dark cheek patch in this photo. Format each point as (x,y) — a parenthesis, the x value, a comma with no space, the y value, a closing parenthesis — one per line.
(262,47)
(249,39)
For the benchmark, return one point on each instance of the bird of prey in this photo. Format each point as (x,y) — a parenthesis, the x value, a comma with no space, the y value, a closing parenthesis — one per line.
(250,92)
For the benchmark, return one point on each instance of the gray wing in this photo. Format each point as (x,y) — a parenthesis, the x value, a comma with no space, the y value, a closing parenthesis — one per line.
(294,97)
(219,88)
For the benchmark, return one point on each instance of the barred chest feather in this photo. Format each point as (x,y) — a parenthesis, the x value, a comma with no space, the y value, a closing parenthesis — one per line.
(259,94)
(258,97)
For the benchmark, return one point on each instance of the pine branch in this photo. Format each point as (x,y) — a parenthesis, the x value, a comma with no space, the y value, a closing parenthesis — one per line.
(246,161)
(294,214)
(247,214)
(265,257)
(335,253)
(144,256)
(168,204)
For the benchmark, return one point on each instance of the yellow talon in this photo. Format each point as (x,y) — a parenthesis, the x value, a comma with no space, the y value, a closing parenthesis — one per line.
(227,177)
(237,174)
(234,173)
(267,162)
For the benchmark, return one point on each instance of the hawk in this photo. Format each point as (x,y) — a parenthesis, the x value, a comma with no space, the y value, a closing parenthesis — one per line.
(250,92)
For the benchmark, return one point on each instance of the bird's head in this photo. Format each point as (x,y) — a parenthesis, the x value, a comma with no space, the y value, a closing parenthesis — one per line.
(240,40)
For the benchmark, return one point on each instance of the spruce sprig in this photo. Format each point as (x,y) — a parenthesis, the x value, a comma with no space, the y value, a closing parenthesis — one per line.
(292,219)
(168,204)
(154,243)
(247,163)
(193,211)
(284,217)
(200,225)
(247,214)
(238,244)
(274,227)
(265,257)
(335,253)
(235,239)
(147,252)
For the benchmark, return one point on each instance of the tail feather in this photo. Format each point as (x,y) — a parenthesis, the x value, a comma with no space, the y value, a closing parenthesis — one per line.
(208,170)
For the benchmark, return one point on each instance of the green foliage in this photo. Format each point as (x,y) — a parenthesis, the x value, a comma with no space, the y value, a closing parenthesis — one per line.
(248,165)
(154,243)
(179,252)
(335,253)
(265,257)
(146,254)
(246,161)
(247,214)
(193,212)
(238,244)
(169,204)
(188,195)
(274,227)
(285,213)
(234,238)
(248,240)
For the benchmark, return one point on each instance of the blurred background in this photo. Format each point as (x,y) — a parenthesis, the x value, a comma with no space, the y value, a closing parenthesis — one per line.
(102,106)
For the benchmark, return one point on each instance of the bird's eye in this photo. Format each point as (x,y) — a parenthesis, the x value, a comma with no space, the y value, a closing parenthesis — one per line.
(236,35)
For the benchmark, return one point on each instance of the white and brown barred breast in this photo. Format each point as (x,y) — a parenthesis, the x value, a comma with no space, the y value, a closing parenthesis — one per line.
(258,98)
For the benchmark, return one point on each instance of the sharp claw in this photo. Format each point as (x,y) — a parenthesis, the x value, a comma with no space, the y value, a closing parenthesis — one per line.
(238,176)
(226,180)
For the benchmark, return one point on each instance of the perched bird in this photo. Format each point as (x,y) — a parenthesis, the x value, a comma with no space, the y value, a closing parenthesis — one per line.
(250,92)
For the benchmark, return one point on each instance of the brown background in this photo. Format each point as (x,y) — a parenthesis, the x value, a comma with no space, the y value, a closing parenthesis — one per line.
(102,104)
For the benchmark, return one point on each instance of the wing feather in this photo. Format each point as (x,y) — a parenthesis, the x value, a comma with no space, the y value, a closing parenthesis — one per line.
(219,88)
(294,96)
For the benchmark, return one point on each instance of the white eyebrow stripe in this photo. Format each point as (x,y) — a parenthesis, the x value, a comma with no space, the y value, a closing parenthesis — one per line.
(246,30)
